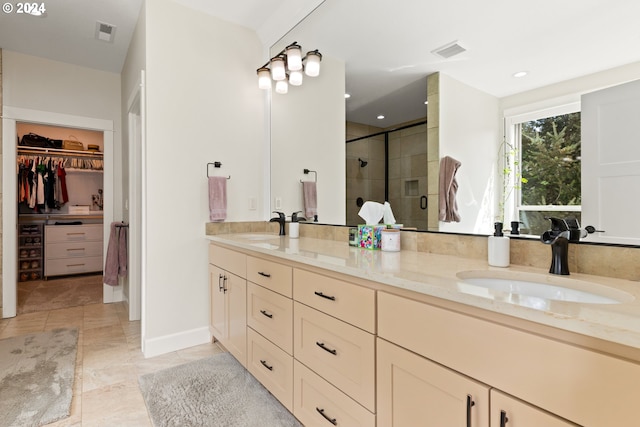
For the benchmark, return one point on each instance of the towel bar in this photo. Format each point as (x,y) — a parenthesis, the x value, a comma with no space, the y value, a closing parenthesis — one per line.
(307,171)
(215,165)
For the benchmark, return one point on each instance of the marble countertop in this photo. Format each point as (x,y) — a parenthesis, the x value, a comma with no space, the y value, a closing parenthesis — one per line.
(441,276)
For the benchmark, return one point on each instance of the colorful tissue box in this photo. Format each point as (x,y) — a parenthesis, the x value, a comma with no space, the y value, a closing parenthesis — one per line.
(370,236)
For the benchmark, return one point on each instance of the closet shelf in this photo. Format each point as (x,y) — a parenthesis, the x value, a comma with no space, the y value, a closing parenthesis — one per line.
(60,152)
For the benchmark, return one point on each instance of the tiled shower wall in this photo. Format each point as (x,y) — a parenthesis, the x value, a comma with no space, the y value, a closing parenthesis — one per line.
(407,172)
(366,182)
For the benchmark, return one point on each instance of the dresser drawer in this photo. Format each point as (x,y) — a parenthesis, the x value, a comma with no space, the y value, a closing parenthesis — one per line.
(73,250)
(58,267)
(342,354)
(316,402)
(271,275)
(270,314)
(231,261)
(352,303)
(271,366)
(72,233)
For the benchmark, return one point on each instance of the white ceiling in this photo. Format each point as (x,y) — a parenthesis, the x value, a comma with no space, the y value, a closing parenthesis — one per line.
(386,45)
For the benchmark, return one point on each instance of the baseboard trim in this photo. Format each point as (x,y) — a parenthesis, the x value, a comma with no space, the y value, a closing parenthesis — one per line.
(178,341)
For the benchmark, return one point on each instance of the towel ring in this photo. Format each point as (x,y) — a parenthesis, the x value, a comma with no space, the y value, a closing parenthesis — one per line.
(307,171)
(215,165)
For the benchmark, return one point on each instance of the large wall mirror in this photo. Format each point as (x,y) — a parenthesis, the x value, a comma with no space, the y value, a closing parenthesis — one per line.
(460,56)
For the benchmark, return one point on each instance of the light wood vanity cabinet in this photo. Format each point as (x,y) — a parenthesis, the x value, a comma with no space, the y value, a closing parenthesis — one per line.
(549,377)
(228,292)
(414,391)
(270,327)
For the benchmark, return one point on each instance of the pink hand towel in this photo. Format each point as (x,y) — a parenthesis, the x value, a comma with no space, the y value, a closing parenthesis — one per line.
(448,187)
(116,262)
(217,198)
(310,196)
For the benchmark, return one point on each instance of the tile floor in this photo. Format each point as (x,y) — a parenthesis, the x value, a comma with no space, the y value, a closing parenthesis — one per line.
(106,391)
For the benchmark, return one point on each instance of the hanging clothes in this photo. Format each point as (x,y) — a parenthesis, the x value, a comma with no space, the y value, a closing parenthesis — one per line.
(62,184)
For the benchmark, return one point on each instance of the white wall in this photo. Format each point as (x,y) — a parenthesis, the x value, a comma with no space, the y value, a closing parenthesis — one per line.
(203,105)
(470,132)
(308,131)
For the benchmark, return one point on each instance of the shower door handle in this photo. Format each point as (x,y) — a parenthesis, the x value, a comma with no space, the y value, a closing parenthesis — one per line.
(423,202)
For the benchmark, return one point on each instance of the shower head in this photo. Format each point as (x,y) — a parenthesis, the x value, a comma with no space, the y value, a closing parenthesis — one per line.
(363,163)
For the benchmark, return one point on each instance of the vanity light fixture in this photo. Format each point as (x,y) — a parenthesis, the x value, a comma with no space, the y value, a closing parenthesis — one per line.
(287,67)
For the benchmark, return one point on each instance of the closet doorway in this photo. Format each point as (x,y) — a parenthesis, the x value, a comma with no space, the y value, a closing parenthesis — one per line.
(13,118)
(60,217)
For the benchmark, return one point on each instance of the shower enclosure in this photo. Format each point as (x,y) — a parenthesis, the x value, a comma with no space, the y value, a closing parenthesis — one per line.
(388,165)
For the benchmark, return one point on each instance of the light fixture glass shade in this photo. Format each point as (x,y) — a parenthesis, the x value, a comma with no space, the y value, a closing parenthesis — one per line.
(294,57)
(282,86)
(312,66)
(264,78)
(295,78)
(278,71)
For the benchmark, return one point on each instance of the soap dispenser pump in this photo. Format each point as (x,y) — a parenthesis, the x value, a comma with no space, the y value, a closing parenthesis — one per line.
(498,247)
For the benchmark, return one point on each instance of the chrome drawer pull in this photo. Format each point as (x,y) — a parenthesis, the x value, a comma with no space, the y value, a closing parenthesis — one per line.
(264,363)
(322,346)
(75,265)
(320,294)
(264,274)
(270,316)
(75,234)
(331,420)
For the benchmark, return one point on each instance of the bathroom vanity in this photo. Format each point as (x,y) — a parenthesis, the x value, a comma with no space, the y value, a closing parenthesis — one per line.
(349,336)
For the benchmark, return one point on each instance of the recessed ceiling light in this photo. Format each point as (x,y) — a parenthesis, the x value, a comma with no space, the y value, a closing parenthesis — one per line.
(426,102)
(520,74)
(347,95)
(380,117)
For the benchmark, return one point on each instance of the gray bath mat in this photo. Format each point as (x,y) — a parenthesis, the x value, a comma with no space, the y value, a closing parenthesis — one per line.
(36,377)
(216,391)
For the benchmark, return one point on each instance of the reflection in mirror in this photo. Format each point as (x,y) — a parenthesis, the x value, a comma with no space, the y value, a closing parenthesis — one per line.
(475,90)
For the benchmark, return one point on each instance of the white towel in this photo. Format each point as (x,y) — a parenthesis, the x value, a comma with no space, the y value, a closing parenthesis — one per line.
(217,198)
(310,196)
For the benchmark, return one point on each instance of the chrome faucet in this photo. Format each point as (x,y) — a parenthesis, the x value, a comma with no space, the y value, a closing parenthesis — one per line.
(280,219)
(562,232)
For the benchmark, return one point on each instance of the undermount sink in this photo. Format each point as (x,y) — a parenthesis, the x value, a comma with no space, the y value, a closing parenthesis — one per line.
(538,287)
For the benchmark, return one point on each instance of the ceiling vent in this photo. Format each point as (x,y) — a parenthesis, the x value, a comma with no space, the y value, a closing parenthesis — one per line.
(105,32)
(449,50)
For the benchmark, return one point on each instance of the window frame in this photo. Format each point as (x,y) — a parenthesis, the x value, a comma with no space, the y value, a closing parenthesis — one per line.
(513,204)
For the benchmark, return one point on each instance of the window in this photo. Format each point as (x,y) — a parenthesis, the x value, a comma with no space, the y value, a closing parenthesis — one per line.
(546,166)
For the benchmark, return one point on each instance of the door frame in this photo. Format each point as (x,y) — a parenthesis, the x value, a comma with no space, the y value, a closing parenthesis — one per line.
(10,116)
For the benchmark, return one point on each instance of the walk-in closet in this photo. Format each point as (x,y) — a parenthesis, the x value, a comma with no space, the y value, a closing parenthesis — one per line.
(59,216)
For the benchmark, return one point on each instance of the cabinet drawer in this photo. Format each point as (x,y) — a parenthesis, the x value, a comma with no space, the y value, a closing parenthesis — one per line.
(520,414)
(58,267)
(271,315)
(337,351)
(228,260)
(271,275)
(73,250)
(315,402)
(72,233)
(352,303)
(271,366)
(583,386)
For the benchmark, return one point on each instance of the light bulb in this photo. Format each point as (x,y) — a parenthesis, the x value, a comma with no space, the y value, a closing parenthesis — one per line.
(282,86)
(264,78)
(295,78)
(312,67)
(278,71)
(294,57)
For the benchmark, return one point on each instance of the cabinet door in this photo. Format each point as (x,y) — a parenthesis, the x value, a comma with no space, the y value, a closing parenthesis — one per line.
(414,391)
(218,311)
(235,290)
(507,411)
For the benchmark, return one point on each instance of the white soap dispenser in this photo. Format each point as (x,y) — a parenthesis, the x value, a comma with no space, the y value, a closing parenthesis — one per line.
(498,247)
(294,226)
